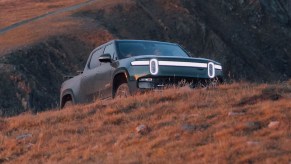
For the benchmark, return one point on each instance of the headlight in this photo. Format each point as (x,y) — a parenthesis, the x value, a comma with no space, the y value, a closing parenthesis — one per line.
(146,79)
(145,83)
(154,66)
(211,70)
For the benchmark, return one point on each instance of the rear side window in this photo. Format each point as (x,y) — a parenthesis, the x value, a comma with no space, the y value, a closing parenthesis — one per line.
(94,62)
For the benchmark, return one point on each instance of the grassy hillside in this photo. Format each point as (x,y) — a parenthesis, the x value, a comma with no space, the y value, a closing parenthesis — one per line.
(238,122)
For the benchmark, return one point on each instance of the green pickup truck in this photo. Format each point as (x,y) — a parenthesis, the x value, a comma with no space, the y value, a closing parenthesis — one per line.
(123,67)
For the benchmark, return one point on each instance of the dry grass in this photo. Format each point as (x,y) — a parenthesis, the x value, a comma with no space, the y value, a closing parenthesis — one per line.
(214,125)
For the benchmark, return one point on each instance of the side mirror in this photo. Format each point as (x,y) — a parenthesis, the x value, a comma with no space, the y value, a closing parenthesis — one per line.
(105,58)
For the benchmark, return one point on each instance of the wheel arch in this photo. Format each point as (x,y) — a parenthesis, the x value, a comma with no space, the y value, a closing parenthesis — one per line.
(67,96)
(120,76)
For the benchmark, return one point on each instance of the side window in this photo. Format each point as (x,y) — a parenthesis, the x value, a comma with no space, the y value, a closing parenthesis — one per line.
(94,62)
(110,50)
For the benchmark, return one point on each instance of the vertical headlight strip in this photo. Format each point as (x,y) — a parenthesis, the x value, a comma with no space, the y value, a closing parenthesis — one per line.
(154,66)
(211,70)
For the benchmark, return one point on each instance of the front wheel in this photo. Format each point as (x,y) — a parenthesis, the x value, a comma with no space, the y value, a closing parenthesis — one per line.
(122,91)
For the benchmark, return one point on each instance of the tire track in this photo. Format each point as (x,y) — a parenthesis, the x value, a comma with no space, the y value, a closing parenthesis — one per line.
(59,11)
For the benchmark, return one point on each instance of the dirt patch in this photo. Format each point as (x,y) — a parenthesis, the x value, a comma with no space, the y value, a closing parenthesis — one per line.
(259,98)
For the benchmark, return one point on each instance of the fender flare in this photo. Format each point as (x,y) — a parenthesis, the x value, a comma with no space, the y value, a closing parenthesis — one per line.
(67,92)
(119,71)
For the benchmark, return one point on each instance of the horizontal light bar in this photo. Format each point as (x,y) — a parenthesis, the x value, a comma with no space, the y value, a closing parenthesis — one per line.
(178,64)
(183,64)
(217,66)
(140,63)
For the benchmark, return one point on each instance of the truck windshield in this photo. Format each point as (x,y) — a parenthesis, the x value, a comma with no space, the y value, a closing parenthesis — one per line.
(128,49)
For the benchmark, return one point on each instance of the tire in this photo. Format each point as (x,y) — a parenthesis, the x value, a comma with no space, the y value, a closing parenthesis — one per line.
(68,104)
(122,91)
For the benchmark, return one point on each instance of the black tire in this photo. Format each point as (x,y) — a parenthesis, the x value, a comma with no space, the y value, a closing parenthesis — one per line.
(68,104)
(122,91)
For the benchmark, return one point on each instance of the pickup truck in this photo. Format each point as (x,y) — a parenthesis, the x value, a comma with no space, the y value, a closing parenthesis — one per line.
(121,68)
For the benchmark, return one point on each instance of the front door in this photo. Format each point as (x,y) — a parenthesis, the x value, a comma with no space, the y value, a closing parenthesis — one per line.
(107,70)
(89,89)
(96,81)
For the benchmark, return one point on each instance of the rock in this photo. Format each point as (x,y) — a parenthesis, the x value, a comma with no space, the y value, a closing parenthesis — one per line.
(142,129)
(274,124)
(24,136)
(193,128)
(29,145)
(188,128)
(186,88)
(235,113)
(253,125)
(177,136)
(253,143)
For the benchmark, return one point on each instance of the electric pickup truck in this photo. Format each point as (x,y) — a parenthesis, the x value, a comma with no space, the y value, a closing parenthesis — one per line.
(121,68)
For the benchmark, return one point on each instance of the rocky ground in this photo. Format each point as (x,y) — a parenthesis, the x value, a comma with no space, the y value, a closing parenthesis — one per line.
(249,37)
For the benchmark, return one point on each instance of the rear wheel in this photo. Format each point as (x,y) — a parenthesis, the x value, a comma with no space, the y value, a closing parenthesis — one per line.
(68,104)
(122,91)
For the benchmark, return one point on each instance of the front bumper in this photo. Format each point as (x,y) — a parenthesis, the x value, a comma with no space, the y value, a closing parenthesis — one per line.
(148,83)
(158,82)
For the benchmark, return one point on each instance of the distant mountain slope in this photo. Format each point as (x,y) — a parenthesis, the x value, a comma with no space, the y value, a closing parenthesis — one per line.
(251,38)
(238,123)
